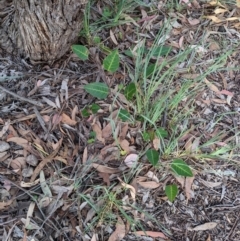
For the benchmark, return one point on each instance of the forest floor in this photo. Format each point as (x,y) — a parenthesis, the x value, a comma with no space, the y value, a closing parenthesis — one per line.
(72,169)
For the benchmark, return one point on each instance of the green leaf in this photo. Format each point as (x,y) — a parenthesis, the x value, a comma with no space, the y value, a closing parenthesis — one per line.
(85,113)
(81,51)
(129,53)
(146,136)
(181,168)
(95,108)
(161,133)
(153,156)
(130,91)
(96,40)
(99,90)
(124,115)
(151,69)
(111,62)
(161,51)
(171,192)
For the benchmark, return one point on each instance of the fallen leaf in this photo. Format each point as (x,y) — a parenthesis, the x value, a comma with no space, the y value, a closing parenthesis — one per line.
(131,160)
(151,175)
(85,155)
(29,213)
(219,101)
(125,146)
(205,226)
(150,184)
(105,177)
(193,21)
(5,128)
(156,143)
(67,120)
(113,37)
(188,187)
(98,132)
(131,188)
(151,234)
(18,140)
(210,184)
(101,168)
(29,184)
(226,92)
(212,86)
(119,232)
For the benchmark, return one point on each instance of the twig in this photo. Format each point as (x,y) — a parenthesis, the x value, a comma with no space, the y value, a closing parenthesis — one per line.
(20,97)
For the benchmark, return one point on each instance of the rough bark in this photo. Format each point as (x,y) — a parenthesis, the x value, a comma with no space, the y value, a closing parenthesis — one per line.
(41,30)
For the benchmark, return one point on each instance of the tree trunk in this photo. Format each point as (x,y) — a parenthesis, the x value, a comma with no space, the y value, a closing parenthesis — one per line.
(41,30)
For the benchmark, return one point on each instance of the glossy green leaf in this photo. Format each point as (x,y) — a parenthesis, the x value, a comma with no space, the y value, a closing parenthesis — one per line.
(81,51)
(181,168)
(171,192)
(161,133)
(99,90)
(111,62)
(95,108)
(153,156)
(130,91)
(124,115)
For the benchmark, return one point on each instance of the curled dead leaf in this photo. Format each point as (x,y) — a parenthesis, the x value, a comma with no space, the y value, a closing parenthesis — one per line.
(101,168)
(67,120)
(131,160)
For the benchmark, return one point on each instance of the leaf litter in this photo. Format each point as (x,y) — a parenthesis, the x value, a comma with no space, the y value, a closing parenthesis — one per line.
(64,152)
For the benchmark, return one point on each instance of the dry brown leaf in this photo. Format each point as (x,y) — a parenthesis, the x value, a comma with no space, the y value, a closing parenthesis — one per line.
(101,168)
(18,163)
(226,92)
(85,155)
(29,213)
(181,180)
(151,175)
(113,37)
(209,238)
(193,21)
(214,19)
(94,237)
(150,184)
(18,140)
(131,160)
(211,86)
(151,234)
(29,184)
(219,101)
(125,146)
(156,143)
(98,132)
(123,131)
(74,112)
(67,120)
(205,226)
(119,232)
(188,187)
(216,3)
(220,10)
(131,188)
(105,177)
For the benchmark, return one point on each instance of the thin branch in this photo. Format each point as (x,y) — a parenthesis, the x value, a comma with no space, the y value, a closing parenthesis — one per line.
(20,97)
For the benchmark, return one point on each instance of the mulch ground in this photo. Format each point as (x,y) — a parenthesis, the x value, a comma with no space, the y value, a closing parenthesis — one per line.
(49,159)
